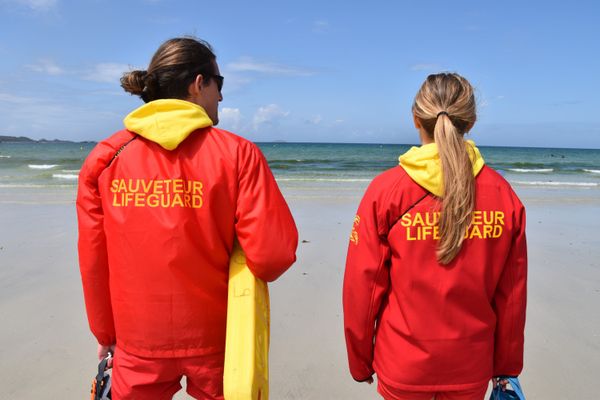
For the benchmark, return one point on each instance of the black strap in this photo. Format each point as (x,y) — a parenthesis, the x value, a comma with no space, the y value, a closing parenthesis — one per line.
(101,368)
(101,378)
(120,150)
(407,210)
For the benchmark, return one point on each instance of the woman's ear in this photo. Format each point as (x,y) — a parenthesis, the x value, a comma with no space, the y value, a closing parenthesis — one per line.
(417,122)
(469,127)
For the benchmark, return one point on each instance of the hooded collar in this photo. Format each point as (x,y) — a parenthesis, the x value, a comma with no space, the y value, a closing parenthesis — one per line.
(167,122)
(423,165)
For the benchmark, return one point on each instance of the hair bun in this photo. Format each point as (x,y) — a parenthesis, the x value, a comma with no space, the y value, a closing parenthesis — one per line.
(134,82)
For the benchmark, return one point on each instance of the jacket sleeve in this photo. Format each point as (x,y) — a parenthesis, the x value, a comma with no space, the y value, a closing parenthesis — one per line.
(509,303)
(264,226)
(366,281)
(93,255)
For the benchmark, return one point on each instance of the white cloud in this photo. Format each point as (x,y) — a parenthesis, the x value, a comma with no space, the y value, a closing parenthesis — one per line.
(103,72)
(426,67)
(230,118)
(315,120)
(107,72)
(247,64)
(268,115)
(46,66)
(46,116)
(234,81)
(320,26)
(33,115)
(246,70)
(11,98)
(37,5)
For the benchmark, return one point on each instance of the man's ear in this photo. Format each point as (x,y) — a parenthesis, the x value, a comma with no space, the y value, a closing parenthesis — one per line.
(196,86)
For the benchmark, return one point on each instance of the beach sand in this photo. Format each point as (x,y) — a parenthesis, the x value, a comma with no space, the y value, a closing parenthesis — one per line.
(47,351)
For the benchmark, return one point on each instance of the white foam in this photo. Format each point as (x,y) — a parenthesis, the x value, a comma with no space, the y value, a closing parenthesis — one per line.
(552,183)
(592,171)
(42,166)
(65,176)
(31,186)
(1,156)
(531,170)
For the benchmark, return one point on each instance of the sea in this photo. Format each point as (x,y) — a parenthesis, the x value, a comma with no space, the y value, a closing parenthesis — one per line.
(317,165)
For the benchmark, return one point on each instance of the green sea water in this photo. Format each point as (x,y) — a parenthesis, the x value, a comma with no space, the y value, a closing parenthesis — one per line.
(31,165)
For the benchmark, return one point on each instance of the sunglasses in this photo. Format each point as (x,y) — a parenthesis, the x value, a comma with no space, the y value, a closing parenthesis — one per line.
(219,79)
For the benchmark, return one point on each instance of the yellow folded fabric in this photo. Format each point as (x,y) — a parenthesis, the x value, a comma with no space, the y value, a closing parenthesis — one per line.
(246,375)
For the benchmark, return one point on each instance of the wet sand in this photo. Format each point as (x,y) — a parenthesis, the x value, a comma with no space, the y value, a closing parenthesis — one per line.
(47,350)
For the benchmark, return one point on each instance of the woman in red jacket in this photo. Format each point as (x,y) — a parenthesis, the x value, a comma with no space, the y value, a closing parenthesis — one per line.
(435,283)
(159,206)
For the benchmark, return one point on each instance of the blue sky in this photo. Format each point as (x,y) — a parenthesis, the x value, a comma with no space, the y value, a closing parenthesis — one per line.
(321,71)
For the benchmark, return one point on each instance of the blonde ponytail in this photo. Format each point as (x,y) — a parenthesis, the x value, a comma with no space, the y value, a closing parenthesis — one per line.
(459,190)
(445,106)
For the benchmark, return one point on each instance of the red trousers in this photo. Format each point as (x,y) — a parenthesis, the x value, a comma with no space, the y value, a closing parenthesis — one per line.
(390,393)
(138,378)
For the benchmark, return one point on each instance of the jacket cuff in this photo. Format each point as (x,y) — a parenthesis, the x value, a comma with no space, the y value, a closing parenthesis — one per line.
(363,379)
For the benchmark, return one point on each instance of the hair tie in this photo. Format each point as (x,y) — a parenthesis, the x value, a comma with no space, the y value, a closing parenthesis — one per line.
(442,112)
(145,95)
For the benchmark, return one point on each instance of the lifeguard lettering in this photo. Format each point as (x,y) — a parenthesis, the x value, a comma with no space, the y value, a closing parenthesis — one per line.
(424,226)
(165,193)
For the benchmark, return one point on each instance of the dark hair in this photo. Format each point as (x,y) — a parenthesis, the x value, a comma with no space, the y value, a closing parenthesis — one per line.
(172,69)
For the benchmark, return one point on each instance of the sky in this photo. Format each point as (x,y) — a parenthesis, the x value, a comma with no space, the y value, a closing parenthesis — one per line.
(310,71)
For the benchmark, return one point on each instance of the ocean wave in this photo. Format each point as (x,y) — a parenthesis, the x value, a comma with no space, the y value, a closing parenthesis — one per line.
(592,171)
(3,156)
(554,183)
(31,186)
(42,166)
(531,169)
(70,171)
(65,176)
(520,164)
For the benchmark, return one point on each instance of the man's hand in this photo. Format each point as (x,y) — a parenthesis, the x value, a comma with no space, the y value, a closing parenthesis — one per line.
(103,353)
(502,382)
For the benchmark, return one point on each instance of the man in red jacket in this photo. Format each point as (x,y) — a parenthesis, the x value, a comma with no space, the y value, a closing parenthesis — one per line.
(159,205)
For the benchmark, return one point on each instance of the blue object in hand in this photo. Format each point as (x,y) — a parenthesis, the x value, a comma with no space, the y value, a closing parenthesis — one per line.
(515,394)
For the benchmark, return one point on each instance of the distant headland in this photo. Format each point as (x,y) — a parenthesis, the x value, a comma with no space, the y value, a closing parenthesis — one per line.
(23,139)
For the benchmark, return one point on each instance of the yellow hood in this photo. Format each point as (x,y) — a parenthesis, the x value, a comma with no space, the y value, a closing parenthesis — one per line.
(167,122)
(422,164)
